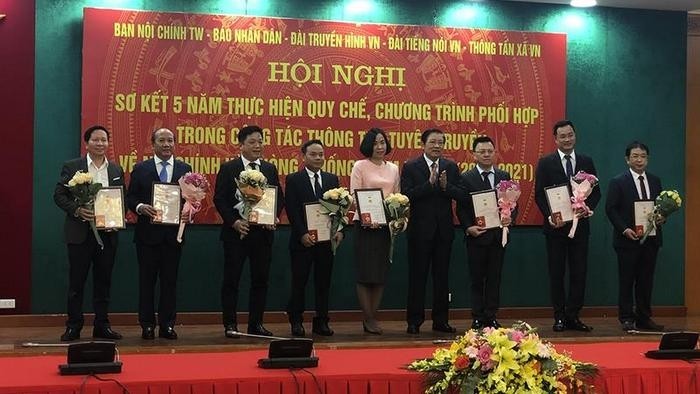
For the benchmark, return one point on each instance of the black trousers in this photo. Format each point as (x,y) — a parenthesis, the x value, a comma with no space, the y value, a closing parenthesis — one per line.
(636,275)
(320,259)
(563,252)
(424,256)
(485,266)
(158,263)
(257,248)
(80,257)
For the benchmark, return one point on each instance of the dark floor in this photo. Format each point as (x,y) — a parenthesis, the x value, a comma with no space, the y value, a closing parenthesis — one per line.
(209,338)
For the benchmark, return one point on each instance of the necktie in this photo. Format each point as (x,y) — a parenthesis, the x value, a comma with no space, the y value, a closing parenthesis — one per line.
(253,165)
(163,171)
(433,172)
(485,175)
(569,167)
(317,187)
(642,187)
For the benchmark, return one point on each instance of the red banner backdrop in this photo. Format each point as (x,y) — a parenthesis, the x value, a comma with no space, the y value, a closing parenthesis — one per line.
(206,76)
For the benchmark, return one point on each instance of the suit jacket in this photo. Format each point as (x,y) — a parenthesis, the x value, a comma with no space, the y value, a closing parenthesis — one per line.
(551,173)
(473,182)
(140,191)
(298,191)
(74,229)
(619,206)
(225,195)
(431,207)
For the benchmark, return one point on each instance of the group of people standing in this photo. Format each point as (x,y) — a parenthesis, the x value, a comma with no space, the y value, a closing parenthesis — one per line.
(430,181)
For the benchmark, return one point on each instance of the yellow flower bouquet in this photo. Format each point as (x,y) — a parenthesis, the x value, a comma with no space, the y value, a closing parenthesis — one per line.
(83,189)
(503,360)
(251,186)
(667,202)
(397,207)
(336,203)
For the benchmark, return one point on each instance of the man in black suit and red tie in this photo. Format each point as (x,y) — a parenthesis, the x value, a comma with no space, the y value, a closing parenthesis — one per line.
(484,246)
(157,249)
(243,240)
(636,262)
(556,169)
(83,249)
(304,186)
(431,182)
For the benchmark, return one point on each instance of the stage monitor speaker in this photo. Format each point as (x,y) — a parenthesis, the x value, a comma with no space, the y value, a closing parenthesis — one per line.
(679,340)
(676,345)
(290,353)
(87,358)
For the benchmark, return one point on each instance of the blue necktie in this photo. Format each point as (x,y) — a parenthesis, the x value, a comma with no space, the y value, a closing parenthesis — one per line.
(317,187)
(569,167)
(164,171)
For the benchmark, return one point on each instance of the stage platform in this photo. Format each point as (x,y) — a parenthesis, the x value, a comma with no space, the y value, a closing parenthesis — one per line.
(348,334)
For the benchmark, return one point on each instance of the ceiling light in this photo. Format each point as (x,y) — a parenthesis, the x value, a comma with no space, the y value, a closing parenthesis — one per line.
(583,3)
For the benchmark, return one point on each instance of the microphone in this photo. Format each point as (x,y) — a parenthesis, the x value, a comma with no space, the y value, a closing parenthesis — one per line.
(243,334)
(37,344)
(638,332)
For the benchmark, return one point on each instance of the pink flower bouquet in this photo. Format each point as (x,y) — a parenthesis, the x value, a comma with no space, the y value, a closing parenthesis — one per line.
(582,184)
(194,187)
(508,192)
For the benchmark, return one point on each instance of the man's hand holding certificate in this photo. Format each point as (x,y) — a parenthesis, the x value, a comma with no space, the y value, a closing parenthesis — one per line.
(485,210)
(559,205)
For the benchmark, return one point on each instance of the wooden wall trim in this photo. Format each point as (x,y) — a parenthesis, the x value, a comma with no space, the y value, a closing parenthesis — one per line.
(692,168)
(205,318)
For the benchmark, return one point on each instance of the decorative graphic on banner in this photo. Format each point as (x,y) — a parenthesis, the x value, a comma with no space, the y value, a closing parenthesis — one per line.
(206,76)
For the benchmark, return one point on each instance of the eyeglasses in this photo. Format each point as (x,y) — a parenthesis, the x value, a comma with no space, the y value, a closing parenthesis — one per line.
(485,151)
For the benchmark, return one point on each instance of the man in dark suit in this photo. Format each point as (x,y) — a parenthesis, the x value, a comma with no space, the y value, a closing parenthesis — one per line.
(243,240)
(157,249)
(431,182)
(304,186)
(636,262)
(556,169)
(484,246)
(83,248)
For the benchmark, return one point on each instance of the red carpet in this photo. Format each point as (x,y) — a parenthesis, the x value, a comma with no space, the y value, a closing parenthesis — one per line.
(624,369)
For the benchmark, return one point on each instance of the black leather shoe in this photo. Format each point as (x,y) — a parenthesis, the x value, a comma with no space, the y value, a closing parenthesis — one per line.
(148,333)
(477,324)
(258,329)
(298,329)
(71,334)
(578,325)
(444,327)
(105,333)
(649,325)
(628,325)
(167,333)
(558,325)
(231,331)
(322,329)
(493,323)
(413,329)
